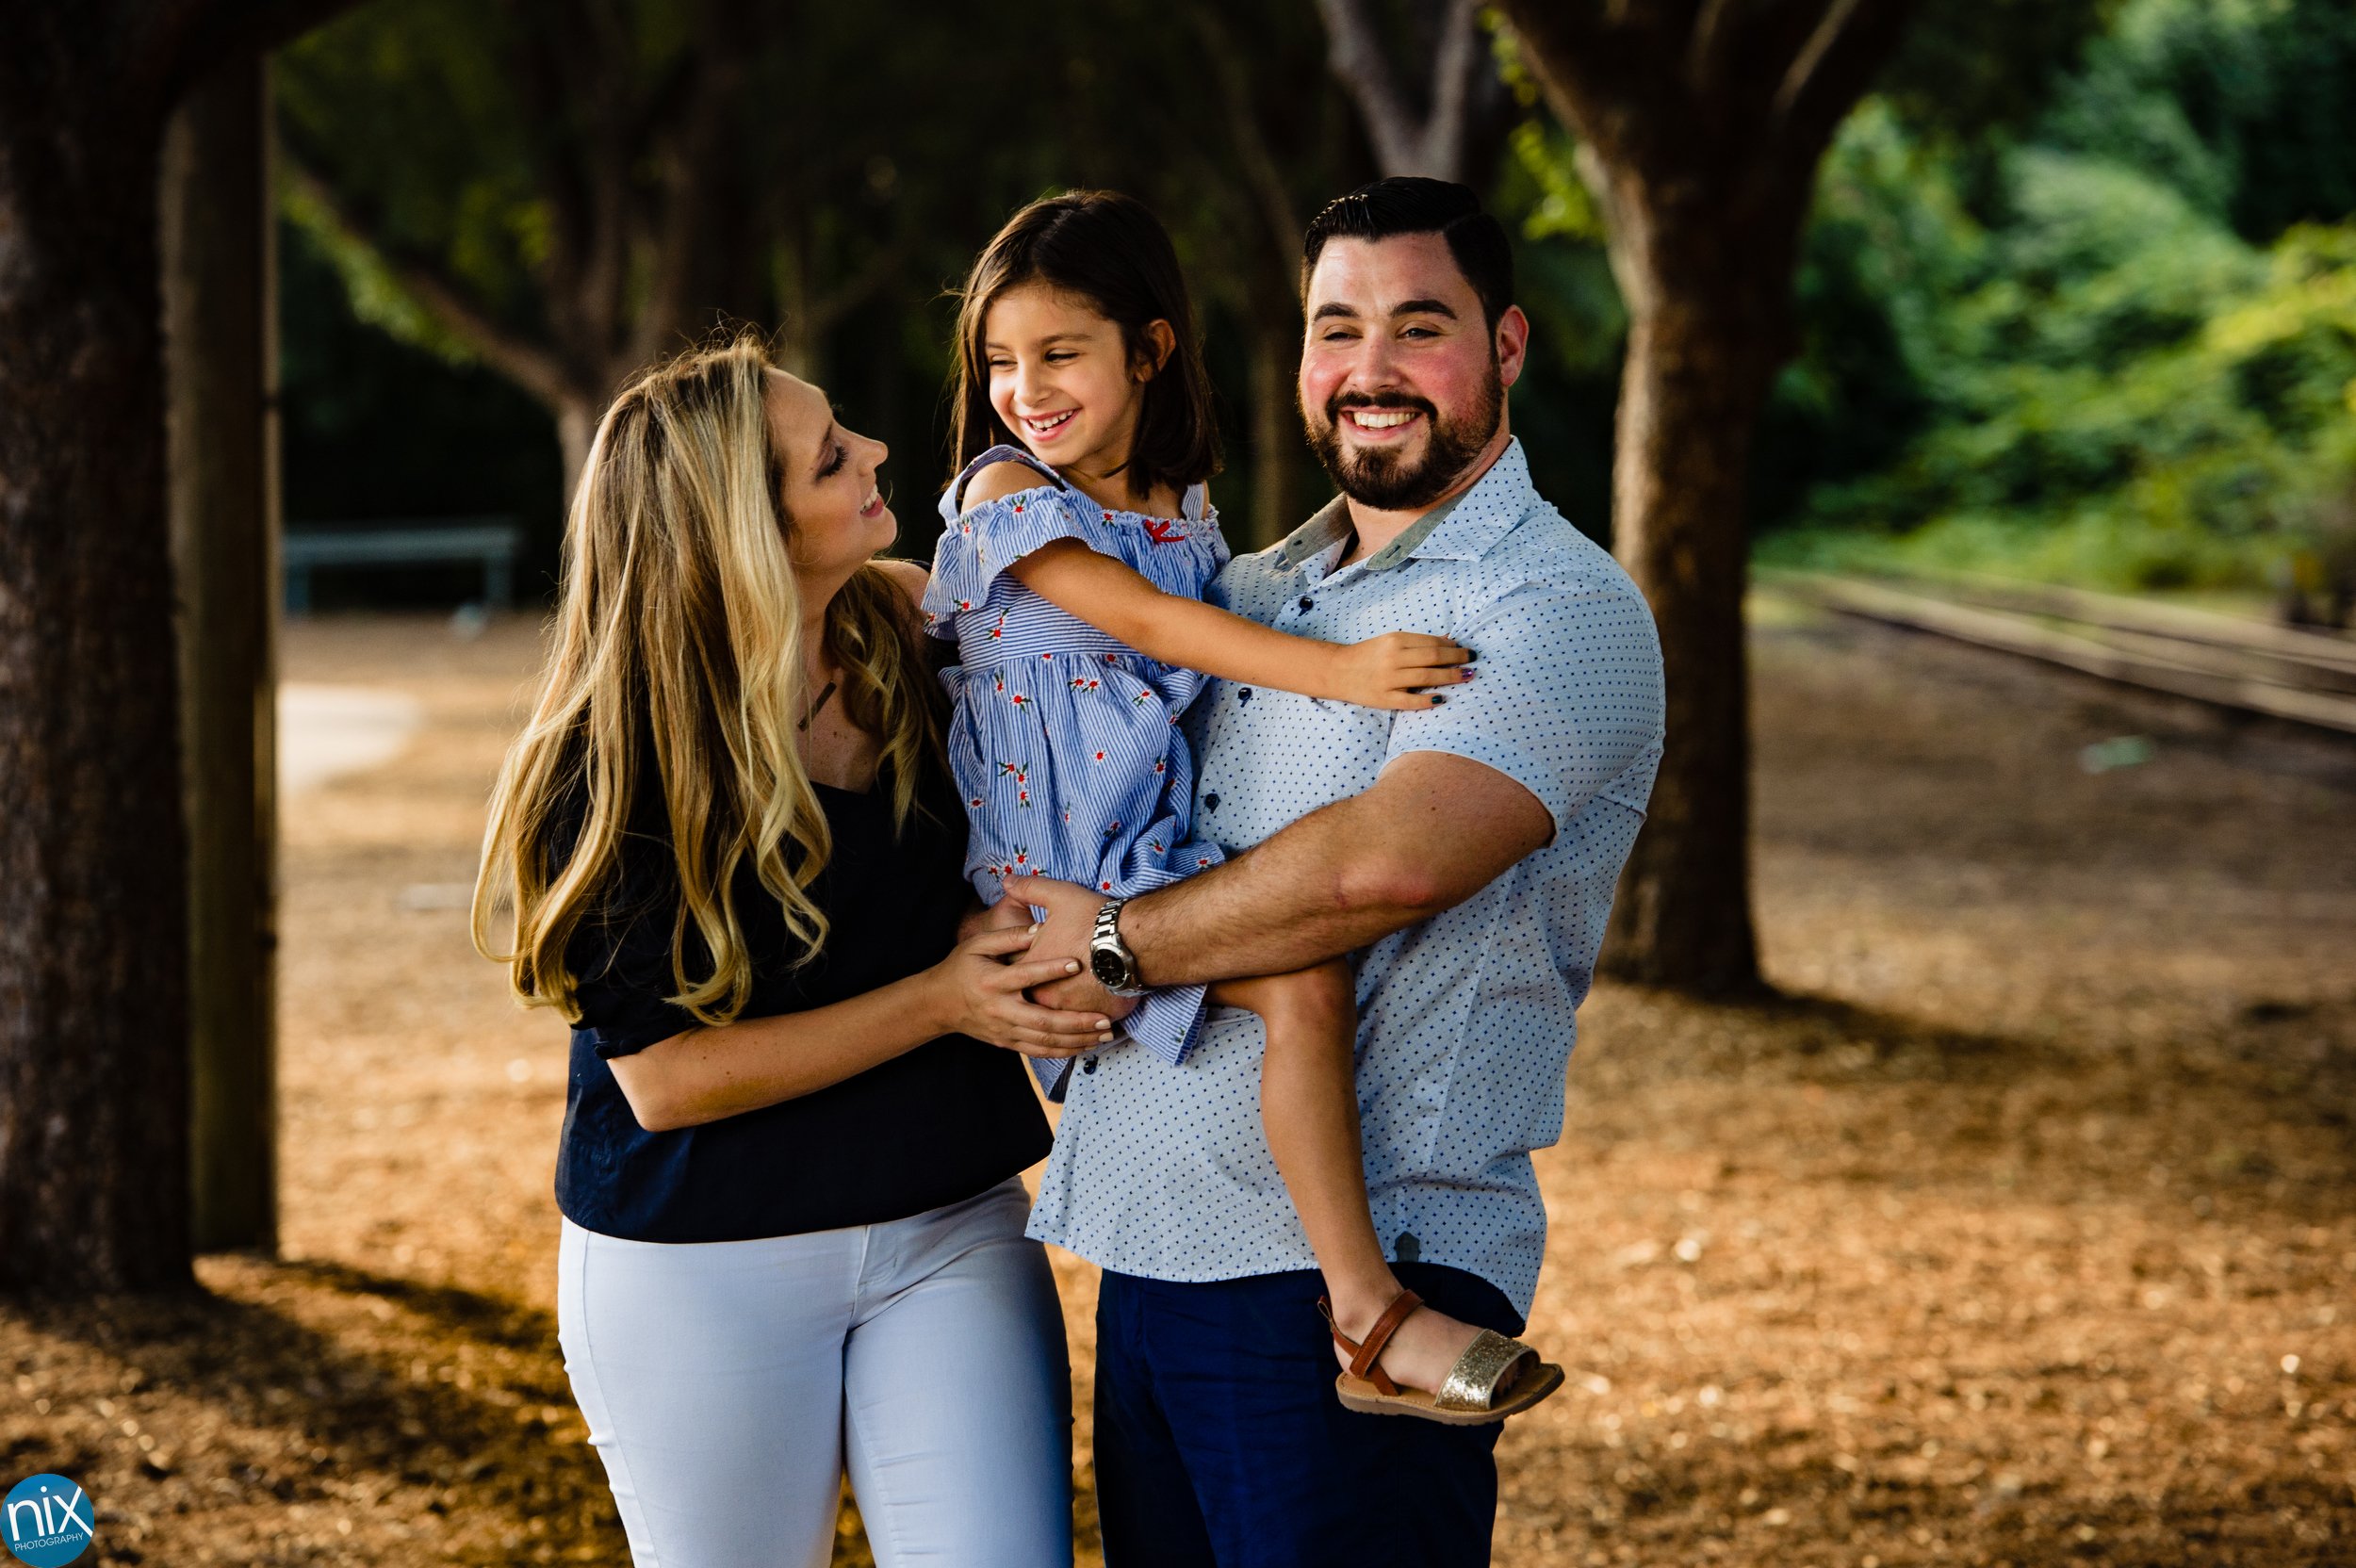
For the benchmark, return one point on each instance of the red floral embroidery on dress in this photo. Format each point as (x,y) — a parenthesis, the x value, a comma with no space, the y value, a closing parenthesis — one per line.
(1021,782)
(1000,630)
(1100,757)
(1086,683)
(1162,531)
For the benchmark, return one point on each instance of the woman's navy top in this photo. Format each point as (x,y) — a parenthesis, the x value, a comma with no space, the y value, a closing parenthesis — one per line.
(936,1125)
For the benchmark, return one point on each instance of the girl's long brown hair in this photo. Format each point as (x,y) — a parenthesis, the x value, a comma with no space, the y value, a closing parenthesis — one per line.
(678,666)
(1110,250)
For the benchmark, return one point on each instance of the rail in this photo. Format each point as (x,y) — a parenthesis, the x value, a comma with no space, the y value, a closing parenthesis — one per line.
(2304,677)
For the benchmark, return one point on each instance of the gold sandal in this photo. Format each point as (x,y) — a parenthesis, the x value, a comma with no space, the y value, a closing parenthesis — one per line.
(1492,1365)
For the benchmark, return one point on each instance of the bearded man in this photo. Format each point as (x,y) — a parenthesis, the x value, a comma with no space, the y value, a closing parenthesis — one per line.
(1464,857)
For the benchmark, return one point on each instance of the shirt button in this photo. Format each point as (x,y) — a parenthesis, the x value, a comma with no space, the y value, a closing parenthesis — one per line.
(1087,1063)
(1210,802)
(1308,603)
(1243,694)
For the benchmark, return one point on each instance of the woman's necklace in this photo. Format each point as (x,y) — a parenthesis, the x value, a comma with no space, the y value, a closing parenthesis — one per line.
(812,712)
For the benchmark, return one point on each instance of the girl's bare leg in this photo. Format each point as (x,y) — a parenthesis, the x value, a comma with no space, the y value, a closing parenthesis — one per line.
(1309,1105)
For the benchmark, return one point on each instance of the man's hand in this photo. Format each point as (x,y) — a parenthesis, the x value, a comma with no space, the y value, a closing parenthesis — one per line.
(1065,934)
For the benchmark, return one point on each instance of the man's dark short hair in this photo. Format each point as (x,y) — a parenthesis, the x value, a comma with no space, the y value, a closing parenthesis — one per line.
(1410,203)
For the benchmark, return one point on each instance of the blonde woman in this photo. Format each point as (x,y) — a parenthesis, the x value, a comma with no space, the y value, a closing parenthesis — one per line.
(793,1238)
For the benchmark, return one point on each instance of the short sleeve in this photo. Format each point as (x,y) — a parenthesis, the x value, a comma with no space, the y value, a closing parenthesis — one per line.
(623,975)
(1567,699)
(986,538)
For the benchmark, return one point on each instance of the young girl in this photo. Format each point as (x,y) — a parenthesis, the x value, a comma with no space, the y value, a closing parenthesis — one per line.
(1071,574)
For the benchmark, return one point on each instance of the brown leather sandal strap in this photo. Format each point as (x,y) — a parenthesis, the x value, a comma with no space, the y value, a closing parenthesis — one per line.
(1364,1356)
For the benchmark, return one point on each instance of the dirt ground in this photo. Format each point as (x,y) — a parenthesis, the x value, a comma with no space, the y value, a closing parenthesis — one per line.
(2023,1231)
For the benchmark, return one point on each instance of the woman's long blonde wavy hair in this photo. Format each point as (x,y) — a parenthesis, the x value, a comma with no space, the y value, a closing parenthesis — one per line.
(680,643)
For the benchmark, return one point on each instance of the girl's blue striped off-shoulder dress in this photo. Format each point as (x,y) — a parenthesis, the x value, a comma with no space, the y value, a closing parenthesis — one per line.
(1065,741)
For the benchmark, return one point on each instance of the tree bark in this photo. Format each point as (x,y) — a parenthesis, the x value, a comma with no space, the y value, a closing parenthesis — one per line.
(220,357)
(1275,428)
(94,1180)
(1434,138)
(1690,398)
(1700,132)
(93,913)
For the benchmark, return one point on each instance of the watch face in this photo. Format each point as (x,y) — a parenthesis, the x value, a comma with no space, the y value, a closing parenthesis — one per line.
(1109,970)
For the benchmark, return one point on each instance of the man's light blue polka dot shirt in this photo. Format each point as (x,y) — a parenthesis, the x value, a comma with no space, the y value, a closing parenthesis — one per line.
(1465,1020)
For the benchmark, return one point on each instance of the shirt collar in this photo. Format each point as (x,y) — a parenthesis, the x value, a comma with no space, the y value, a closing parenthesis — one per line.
(1459,529)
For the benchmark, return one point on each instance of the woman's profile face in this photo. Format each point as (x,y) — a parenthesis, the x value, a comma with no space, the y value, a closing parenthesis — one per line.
(831,494)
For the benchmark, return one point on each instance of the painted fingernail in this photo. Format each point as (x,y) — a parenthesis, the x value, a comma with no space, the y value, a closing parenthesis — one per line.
(1469,673)
(1071,966)
(1105,1040)
(1103,1023)
(1437,699)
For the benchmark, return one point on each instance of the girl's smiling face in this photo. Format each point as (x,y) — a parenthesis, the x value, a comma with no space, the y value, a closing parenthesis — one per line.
(1062,378)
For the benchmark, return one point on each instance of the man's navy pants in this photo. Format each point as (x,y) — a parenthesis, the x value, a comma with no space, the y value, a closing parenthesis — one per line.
(1219,1442)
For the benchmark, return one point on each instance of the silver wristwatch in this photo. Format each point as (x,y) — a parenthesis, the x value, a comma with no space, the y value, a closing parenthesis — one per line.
(1109,958)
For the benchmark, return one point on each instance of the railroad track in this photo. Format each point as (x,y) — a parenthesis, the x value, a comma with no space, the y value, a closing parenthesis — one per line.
(2306,677)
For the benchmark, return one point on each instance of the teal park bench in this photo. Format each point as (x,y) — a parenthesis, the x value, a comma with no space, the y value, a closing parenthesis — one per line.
(492,542)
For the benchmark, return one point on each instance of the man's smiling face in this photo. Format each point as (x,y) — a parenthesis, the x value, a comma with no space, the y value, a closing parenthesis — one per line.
(1402,380)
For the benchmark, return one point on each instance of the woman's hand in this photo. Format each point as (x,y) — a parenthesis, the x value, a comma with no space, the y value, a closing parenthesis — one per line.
(1391,671)
(981,983)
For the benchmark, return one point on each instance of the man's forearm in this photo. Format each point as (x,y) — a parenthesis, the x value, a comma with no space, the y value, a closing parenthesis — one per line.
(1311,892)
(1433,830)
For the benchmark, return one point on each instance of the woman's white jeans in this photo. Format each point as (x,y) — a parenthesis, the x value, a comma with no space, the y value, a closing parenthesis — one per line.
(729,1385)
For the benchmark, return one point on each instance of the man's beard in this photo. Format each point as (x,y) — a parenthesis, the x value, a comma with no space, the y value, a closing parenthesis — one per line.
(1386,480)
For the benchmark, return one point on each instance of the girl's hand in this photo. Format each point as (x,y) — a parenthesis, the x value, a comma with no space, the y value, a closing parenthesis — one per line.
(1391,671)
(1006,913)
(981,985)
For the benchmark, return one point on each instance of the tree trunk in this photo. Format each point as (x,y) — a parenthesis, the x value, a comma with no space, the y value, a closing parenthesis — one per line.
(1707,282)
(1275,430)
(221,353)
(1687,407)
(576,427)
(1700,130)
(93,911)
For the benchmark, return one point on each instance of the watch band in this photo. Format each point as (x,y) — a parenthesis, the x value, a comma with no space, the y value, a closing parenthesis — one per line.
(1107,942)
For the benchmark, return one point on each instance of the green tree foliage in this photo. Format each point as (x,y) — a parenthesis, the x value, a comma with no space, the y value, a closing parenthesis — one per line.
(2132,361)
(870,157)
(2248,107)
